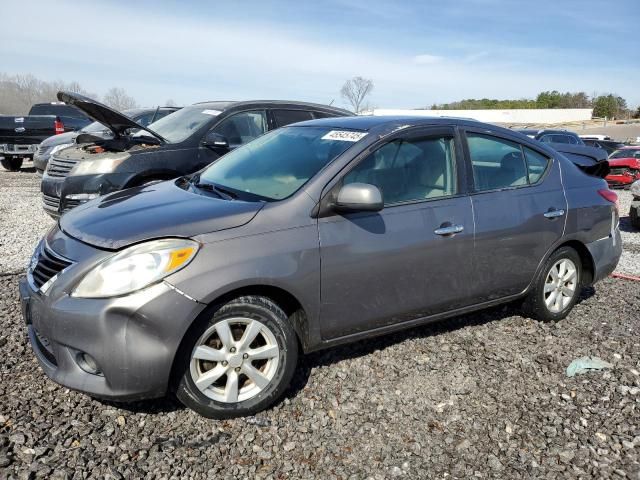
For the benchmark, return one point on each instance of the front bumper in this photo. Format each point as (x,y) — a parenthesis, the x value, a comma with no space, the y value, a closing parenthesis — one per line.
(60,194)
(623,180)
(133,339)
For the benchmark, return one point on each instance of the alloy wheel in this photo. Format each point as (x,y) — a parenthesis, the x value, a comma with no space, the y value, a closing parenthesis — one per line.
(234,360)
(560,285)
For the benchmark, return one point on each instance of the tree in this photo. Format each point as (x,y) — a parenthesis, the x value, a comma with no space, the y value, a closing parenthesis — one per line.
(637,114)
(355,91)
(610,106)
(118,99)
(170,103)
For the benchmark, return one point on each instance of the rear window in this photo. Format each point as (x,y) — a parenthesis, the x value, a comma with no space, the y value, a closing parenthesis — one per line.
(626,153)
(286,117)
(58,110)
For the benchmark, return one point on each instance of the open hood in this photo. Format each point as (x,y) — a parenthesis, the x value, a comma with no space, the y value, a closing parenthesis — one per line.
(160,210)
(115,121)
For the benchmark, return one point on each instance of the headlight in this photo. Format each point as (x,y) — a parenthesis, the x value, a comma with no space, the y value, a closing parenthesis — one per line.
(94,167)
(57,148)
(635,188)
(136,267)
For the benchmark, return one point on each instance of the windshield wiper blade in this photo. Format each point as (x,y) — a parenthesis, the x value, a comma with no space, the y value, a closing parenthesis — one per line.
(209,187)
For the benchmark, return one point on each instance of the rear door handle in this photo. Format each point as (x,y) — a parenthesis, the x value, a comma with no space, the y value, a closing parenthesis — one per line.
(450,230)
(554,213)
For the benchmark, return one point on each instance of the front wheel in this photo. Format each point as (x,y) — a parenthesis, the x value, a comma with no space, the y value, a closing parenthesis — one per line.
(556,288)
(240,361)
(13,164)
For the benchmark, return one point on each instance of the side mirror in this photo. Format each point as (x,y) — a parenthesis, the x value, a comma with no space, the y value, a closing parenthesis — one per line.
(359,197)
(215,140)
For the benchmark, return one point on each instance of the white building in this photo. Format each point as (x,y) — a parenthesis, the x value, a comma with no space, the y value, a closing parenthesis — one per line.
(522,116)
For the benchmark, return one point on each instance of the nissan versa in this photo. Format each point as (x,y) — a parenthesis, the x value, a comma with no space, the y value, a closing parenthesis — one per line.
(321,233)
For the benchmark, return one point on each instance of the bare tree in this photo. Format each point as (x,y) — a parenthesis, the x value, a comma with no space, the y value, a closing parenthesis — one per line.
(19,92)
(355,91)
(170,103)
(119,99)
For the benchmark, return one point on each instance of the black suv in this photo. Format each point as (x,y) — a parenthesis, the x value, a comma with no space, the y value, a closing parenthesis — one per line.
(553,136)
(178,144)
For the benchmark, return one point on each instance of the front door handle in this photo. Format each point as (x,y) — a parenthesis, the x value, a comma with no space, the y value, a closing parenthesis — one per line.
(554,213)
(449,230)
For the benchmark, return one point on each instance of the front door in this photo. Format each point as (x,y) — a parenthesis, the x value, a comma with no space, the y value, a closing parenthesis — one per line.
(411,259)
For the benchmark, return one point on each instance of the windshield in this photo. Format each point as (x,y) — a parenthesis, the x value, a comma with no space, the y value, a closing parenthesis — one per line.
(180,125)
(277,164)
(626,153)
(94,127)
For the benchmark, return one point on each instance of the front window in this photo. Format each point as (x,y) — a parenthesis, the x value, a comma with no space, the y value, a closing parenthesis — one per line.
(277,164)
(409,170)
(180,125)
(626,153)
(242,127)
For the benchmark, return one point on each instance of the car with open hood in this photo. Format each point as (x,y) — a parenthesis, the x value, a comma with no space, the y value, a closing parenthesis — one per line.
(315,234)
(178,144)
(50,145)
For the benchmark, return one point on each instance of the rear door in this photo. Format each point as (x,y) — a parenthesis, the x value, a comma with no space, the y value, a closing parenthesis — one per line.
(519,209)
(399,264)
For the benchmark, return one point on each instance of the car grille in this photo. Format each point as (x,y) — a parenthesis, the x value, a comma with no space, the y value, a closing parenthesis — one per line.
(44,345)
(59,167)
(50,202)
(48,265)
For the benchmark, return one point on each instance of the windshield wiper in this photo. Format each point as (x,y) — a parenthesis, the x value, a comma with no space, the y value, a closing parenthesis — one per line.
(220,192)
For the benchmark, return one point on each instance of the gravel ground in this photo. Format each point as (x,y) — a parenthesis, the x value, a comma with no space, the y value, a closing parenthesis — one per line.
(482,395)
(22,219)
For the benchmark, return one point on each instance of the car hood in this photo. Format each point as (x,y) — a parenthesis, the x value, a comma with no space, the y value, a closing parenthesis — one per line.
(631,162)
(156,211)
(115,121)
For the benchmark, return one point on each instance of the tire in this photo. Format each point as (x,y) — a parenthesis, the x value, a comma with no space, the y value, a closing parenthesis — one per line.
(634,217)
(536,305)
(13,164)
(210,353)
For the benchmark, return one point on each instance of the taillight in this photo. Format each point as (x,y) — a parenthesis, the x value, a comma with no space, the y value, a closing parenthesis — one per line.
(58,126)
(609,195)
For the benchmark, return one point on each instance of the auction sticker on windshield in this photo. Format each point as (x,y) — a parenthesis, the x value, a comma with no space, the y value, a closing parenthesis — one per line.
(344,135)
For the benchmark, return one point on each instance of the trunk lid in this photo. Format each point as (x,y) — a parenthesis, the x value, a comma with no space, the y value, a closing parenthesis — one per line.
(115,121)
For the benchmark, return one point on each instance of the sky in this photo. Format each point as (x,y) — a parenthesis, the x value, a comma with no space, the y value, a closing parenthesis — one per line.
(416,52)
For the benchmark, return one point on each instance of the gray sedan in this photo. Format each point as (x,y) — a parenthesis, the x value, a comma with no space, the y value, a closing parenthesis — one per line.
(321,233)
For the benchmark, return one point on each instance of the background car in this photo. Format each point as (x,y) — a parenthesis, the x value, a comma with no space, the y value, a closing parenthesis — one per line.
(552,136)
(178,144)
(609,146)
(21,135)
(625,166)
(316,234)
(143,116)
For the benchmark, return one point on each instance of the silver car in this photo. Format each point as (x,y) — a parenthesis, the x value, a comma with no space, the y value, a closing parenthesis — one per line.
(317,234)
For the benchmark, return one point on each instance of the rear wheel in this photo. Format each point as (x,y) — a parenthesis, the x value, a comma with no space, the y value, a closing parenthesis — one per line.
(13,164)
(240,361)
(556,288)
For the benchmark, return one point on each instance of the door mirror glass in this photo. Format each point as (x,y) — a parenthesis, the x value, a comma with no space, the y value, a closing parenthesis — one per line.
(215,140)
(359,197)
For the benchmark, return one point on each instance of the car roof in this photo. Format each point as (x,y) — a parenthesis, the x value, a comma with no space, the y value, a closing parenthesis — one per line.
(367,122)
(223,105)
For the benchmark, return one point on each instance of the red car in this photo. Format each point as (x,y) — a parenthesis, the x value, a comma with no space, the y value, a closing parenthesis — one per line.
(625,166)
